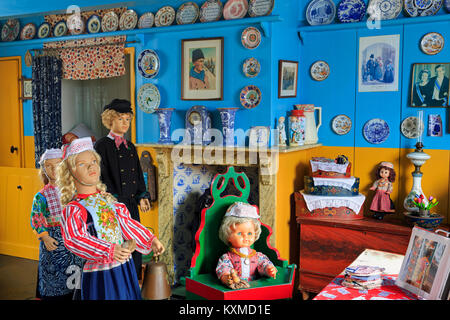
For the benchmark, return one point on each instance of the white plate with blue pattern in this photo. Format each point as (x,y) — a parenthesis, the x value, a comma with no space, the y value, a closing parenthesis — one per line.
(351,11)
(384,9)
(320,12)
(376,131)
(417,8)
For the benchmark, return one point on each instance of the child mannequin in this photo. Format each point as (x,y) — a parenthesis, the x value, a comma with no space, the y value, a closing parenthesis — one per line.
(382,203)
(59,269)
(121,171)
(95,226)
(240,228)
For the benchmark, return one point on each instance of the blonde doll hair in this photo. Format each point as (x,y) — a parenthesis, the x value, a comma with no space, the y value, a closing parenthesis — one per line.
(66,184)
(109,115)
(232,221)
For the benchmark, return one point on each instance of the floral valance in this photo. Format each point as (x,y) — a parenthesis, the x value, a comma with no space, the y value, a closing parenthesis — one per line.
(93,58)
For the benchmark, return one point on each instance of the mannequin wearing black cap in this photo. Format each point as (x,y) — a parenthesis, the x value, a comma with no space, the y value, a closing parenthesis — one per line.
(120,166)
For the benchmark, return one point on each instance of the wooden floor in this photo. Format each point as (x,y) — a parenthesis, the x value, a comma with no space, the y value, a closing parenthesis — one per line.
(17,278)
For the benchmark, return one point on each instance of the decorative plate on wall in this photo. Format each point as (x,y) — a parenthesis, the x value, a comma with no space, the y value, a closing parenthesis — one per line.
(146,20)
(75,24)
(432,43)
(148,63)
(28,31)
(187,13)
(165,16)
(351,11)
(415,8)
(250,96)
(148,98)
(235,9)
(60,29)
(128,20)
(94,24)
(44,30)
(251,67)
(410,127)
(211,10)
(258,8)
(251,38)
(10,30)
(320,12)
(341,124)
(447,5)
(110,22)
(376,131)
(320,70)
(384,9)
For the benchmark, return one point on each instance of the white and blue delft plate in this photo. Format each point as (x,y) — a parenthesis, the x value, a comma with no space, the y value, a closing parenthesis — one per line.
(148,98)
(384,9)
(94,24)
(320,12)
(376,131)
(351,11)
(44,30)
(416,8)
(148,63)
(447,5)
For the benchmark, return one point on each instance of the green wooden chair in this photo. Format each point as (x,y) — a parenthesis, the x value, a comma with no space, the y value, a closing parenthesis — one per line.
(202,283)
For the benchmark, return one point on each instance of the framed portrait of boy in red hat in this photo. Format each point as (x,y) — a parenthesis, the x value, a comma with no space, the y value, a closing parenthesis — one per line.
(202,69)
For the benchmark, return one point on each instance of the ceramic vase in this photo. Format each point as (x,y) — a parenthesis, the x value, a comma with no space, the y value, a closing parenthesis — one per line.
(164,119)
(228,115)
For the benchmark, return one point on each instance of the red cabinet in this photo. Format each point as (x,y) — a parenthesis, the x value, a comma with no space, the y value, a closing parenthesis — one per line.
(328,246)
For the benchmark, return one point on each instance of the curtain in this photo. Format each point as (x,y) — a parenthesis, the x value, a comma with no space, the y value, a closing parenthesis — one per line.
(46,83)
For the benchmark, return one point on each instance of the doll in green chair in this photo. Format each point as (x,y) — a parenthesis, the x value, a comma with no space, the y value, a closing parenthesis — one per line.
(240,228)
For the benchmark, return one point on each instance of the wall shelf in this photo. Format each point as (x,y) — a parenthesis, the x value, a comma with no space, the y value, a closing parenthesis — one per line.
(263,23)
(366,24)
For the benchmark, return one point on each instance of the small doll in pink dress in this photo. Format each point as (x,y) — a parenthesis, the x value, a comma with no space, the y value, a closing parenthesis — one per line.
(382,203)
(240,229)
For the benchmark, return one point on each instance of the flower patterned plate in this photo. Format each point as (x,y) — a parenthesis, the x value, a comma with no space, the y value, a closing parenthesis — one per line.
(251,67)
(44,30)
(351,11)
(376,131)
(28,31)
(416,8)
(128,20)
(235,9)
(187,13)
(258,8)
(211,10)
(165,16)
(75,24)
(148,63)
(432,43)
(384,9)
(110,22)
(320,12)
(60,29)
(10,30)
(341,124)
(148,98)
(146,20)
(94,24)
(410,127)
(250,96)
(251,38)
(320,70)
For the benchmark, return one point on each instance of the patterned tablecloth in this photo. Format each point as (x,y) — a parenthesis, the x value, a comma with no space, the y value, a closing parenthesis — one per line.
(387,291)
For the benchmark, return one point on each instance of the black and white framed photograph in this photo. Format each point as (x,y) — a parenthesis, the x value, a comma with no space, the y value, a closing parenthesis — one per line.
(430,85)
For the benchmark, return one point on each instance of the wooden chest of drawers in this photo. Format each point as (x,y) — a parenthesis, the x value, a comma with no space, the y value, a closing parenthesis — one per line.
(327,247)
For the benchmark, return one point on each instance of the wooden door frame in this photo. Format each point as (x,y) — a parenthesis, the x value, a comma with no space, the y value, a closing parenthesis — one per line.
(131,51)
(21,138)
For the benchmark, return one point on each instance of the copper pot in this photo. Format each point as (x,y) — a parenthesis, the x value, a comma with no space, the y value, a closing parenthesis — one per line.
(155,285)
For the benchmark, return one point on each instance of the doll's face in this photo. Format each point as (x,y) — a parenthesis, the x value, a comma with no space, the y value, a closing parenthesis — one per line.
(121,124)
(50,168)
(87,168)
(384,173)
(242,235)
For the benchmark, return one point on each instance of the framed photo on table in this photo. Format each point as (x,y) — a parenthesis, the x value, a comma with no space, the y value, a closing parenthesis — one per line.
(425,269)
(202,69)
(287,78)
(430,85)
(27,89)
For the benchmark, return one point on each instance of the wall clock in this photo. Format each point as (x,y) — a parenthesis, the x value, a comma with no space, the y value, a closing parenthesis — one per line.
(198,123)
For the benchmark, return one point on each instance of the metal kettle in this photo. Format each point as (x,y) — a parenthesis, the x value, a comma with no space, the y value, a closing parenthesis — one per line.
(155,285)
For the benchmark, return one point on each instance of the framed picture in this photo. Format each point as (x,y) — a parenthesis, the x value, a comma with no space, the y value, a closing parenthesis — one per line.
(27,89)
(202,69)
(425,270)
(287,78)
(378,63)
(259,136)
(430,85)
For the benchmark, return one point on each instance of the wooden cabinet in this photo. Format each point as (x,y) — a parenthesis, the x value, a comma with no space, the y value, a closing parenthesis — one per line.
(327,246)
